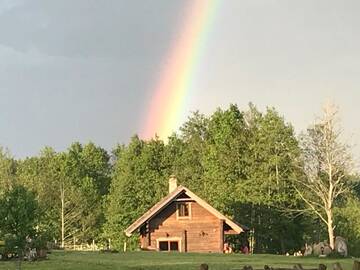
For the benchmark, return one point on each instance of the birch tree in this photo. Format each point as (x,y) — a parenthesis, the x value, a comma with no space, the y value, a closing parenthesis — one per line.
(327,163)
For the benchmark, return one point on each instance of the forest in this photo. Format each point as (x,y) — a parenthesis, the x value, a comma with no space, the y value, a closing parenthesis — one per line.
(288,188)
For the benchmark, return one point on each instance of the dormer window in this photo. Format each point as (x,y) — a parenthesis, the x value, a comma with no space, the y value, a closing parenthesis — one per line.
(183,210)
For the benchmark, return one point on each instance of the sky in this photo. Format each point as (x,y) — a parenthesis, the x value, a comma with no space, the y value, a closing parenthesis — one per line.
(85,70)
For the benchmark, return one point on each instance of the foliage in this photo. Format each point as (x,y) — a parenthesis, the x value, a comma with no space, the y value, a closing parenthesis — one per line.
(86,172)
(139,181)
(7,171)
(18,218)
(224,158)
(38,174)
(69,187)
(270,172)
(348,223)
(243,162)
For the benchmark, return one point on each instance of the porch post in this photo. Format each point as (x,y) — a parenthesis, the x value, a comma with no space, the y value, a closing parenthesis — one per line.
(148,231)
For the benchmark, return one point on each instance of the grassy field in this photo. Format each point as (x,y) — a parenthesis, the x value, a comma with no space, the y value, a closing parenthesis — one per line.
(162,261)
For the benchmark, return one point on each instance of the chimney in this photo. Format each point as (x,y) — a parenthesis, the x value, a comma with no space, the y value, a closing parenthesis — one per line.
(172,183)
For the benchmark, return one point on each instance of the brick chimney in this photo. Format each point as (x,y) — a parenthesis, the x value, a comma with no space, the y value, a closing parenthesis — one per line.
(172,183)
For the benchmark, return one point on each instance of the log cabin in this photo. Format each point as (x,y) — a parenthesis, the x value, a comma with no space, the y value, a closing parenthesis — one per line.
(183,222)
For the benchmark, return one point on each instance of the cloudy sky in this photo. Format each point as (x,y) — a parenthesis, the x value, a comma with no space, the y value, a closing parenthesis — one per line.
(84,70)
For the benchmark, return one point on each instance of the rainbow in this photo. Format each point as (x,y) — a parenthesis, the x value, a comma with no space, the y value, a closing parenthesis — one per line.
(167,106)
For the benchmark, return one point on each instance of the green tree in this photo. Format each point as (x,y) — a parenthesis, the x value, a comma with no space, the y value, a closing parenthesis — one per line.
(7,171)
(185,152)
(224,158)
(87,170)
(348,223)
(70,187)
(18,214)
(139,181)
(266,190)
(39,174)
(271,167)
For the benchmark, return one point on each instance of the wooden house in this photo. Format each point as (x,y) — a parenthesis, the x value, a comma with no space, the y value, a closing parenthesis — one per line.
(183,222)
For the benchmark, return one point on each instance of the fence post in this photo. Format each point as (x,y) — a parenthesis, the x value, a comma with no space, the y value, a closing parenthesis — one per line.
(337,266)
(298,267)
(356,265)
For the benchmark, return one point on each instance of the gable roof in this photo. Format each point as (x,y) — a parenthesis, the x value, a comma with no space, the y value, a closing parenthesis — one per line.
(170,198)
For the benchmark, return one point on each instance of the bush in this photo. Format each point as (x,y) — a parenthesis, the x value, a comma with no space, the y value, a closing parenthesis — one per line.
(348,225)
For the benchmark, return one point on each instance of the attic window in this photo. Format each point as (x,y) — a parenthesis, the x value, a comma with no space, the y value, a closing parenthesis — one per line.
(183,210)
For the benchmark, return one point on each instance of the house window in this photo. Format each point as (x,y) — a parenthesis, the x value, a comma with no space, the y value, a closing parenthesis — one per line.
(168,245)
(183,210)
(164,245)
(174,246)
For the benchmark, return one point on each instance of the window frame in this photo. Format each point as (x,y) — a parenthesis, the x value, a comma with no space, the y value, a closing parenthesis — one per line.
(178,205)
(169,240)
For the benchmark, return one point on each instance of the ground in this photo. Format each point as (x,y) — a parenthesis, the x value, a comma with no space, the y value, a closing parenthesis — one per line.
(165,261)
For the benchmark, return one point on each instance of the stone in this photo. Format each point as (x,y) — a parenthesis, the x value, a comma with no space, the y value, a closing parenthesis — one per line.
(308,250)
(321,249)
(204,266)
(341,246)
(322,266)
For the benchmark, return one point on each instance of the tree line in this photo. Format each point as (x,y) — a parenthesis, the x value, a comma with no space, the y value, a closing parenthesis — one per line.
(288,189)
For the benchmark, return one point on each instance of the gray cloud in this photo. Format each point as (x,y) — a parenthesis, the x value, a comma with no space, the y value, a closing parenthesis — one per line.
(85,69)
(90,28)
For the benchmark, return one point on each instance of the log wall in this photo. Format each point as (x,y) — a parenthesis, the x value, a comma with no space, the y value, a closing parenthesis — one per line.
(201,232)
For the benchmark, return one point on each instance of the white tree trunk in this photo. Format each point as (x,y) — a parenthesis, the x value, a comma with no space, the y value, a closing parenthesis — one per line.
(330,228)
(62,197)
(326,162)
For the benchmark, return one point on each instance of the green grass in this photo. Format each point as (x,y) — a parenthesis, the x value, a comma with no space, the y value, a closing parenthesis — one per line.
(163,261)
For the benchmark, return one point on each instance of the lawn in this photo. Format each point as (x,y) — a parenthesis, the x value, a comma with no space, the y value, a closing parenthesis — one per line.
(160,261)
